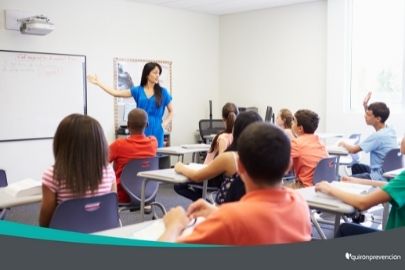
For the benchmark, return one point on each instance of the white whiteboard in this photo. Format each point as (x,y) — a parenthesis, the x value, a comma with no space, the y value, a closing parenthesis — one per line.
(37,90)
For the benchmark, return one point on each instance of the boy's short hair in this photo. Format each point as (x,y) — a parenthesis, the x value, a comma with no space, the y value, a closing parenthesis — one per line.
(264,150)
(137,120)
(379,109)
(308,119)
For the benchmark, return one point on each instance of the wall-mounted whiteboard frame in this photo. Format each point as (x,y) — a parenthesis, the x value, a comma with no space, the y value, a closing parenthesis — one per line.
(127,70)
(37,90)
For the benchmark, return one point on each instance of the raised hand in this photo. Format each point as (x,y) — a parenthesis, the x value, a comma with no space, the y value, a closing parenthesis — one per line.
(93,79)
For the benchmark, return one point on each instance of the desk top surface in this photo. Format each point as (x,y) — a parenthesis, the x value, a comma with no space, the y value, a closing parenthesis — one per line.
(324,202)
(184,149)
(393,173)
(7,200)
(168,175)
(337,150)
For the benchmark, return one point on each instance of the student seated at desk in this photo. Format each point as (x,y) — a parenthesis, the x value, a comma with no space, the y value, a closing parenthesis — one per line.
(267,214)
(377,144)
(220,143)
(224,165)
(223,139)
(81,165)
(136,146)
(284,120)
(307,149)
(392,192)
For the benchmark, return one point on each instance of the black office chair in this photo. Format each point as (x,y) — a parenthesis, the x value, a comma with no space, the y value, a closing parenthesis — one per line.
(3,183)
(209,127)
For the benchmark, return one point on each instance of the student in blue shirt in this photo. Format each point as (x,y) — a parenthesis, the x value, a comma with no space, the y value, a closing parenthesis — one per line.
(150,97)
(378,144)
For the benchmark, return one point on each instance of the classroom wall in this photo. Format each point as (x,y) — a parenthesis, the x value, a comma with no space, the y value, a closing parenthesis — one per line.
(104,29)
(275,57)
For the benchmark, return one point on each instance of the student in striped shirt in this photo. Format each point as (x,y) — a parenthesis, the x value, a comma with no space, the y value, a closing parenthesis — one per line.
(81,166)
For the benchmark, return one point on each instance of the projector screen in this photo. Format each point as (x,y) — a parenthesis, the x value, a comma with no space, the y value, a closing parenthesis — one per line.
(37,90)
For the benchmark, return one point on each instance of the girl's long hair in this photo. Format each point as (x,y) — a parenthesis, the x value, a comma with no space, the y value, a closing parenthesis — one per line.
(157,89)
(81,153)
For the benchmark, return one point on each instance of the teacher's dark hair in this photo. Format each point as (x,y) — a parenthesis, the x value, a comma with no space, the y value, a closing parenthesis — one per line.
(157,89)
(81,153)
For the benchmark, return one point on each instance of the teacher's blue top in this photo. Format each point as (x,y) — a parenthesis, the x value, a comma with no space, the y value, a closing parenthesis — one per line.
(155,113)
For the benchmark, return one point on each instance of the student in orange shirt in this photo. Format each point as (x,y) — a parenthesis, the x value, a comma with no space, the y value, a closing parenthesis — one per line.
(307,149)
(268,213)
(136,146)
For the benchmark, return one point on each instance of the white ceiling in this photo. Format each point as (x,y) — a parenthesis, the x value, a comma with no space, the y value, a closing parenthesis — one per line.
(222,7)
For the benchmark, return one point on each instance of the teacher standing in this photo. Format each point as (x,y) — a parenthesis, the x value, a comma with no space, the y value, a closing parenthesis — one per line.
(149,96)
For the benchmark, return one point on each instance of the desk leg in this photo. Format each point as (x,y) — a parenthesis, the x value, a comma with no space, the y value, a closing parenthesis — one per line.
(204,191)
(337,167)
(385,215)
(142,210)
(316,225)
(337,224)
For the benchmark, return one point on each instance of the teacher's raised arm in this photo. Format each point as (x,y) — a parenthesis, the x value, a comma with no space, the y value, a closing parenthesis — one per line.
(110,90)
(149,96)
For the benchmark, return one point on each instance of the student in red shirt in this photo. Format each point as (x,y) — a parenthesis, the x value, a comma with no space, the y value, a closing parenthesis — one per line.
(307,149)
(268,213)
(135,146)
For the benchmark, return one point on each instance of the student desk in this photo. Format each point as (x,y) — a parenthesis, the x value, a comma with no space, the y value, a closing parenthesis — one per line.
(325,203)
(149,230)
(180,151)
(337,151)
(7,200)
(167,176)
(391,174)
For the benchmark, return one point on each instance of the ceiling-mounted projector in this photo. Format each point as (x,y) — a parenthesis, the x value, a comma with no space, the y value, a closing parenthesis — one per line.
(36,25)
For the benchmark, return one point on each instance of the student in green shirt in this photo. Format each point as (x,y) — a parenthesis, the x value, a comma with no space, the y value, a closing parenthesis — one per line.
(392,192)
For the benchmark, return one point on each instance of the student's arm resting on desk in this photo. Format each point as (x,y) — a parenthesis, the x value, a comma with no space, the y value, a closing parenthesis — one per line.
(48,206)
(359,201)
(175,222)
(352,149)
(224,163)
(361,181)
(114,92)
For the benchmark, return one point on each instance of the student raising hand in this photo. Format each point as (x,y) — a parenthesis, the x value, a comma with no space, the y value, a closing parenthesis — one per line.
(366,100)
(200,208)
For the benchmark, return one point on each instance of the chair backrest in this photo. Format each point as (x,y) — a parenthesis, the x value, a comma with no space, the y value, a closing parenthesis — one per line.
(3,183)
(3,178)
(210,126)
(325,170)
(392,160)
(87,215)
(133,183)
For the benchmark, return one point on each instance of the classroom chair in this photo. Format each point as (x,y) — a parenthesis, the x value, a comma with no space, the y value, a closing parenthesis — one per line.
(392,160)
(325,170)
(133,184)
(87,215)
(209,127)
(3,183)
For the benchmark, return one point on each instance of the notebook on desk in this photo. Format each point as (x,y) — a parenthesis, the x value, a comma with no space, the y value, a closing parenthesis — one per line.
(196,146)
(352,187)
(24,188)
(153,231)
